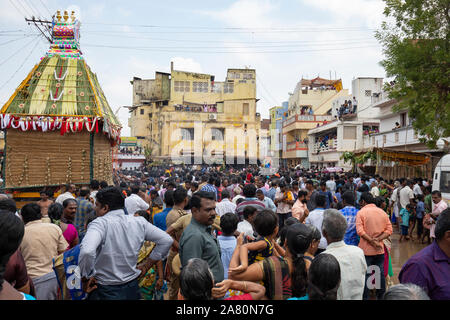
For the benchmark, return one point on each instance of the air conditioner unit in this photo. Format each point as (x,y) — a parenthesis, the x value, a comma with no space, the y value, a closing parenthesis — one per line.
(212,116)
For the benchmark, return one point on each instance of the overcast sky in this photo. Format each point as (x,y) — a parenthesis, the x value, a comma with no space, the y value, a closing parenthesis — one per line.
(282,39)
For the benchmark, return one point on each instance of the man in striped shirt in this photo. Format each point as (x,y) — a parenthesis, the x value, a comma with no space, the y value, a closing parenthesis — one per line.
(250,200)
(209,187)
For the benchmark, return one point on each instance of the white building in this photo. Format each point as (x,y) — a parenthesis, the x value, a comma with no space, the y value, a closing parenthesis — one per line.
(396,131)
(328,142)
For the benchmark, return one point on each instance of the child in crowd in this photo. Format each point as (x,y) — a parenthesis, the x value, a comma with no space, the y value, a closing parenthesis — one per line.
(246,226)
(405,214)
(227,241)
(266,225)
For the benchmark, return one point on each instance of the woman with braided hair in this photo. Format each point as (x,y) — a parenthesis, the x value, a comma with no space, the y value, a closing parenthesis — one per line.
(283,277)
(324,278)
(11,234)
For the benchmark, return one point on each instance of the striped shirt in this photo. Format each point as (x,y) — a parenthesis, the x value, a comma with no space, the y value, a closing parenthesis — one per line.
(254,202)
(83,208)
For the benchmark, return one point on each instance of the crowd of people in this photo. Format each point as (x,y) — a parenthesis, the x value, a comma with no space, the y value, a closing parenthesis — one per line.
(202,233)
(348,107)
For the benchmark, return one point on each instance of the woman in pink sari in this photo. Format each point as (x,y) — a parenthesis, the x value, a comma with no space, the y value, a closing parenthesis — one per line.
(63,217)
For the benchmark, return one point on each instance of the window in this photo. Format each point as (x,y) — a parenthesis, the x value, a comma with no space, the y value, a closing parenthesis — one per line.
(199,86)
(217,134)
(142,111)
(396,137)
(234,75)
(350,133)
(182,86)
(403,119)
(187,134)
(444,185)
(228,87)
(150,116)
(368,93)
(248,76)
(217,88)
(246,109)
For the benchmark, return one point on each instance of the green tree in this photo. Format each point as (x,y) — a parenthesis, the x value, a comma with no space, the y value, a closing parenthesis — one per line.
(416,45)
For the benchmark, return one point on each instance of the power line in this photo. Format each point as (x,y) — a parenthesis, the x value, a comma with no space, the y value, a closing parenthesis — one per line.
(46,8)
(20,49)
(214,52)
(261,46)
(33,8)
(18,10)
(23,8)
(20,67)
(258,80)
(303,28)
(115,35)
(13,40)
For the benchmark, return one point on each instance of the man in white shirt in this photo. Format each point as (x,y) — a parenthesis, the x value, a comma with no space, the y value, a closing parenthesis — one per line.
(416,189)
(70,189)
(109,251)
(225,206)
(374,191)
(406,193)
(315,218)
(331,185)
(394,201)
(351,258)
(134,202)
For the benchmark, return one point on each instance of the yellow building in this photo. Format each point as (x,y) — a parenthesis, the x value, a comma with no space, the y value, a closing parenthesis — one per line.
(187,114)
(310,105)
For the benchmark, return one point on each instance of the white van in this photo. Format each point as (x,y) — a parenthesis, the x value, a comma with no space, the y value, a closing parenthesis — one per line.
(441,178)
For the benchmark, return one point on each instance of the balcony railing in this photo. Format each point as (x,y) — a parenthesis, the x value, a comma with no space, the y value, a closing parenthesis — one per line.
(296,145)
(382,96)
(307,118)
(331,145)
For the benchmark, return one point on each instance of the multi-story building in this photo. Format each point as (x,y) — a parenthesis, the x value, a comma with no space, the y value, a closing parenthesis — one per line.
(191,116)
(310,105)
(346,132)
(396,132)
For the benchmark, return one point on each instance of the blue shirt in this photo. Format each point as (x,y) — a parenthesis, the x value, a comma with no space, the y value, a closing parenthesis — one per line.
(227,246)
(405,217)
(159,219)
(351,236)
(420,209)
(271,193)
(209,188)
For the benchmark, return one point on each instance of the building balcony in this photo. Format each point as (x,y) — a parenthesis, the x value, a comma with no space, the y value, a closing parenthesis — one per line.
(330,145)
(296,145)
(298,121)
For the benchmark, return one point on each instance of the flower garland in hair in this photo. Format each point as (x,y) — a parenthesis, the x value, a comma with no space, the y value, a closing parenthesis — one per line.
(8,164)
(83,161)
(69,171)
(47,174)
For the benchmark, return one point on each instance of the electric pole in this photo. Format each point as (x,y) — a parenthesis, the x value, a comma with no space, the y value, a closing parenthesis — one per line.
(46,27)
